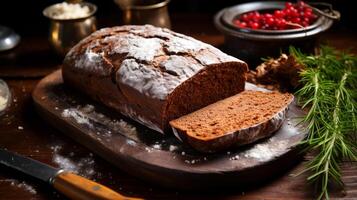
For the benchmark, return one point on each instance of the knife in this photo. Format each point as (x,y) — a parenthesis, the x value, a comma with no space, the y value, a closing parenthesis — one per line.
(68,183)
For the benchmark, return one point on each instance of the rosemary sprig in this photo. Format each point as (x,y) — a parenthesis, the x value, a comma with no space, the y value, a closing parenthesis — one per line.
(329,91)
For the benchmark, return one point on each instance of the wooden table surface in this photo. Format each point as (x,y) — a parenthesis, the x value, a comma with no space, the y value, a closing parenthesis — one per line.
(24,132)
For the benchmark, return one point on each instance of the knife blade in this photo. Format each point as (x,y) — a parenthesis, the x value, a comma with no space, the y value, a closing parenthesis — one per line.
(68,183)
(28,166)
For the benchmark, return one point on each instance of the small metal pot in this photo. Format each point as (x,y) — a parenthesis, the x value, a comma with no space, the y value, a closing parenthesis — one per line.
(252,45)
(154,12)
(65,33)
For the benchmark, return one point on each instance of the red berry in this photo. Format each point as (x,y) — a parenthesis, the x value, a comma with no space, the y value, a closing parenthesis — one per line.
(255,16)
(250,15)
(301,4)
(281,24)
(287,12)
(278,14)
(254,25)
(288,5)
(243,25)
(268,15)
(244,17)
(298,13)
(270,21)
(294,12)
(308,14)
(296,20)
(236,22)
(307,9)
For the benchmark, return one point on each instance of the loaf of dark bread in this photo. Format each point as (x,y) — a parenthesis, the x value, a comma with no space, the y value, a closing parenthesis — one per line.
(150,74)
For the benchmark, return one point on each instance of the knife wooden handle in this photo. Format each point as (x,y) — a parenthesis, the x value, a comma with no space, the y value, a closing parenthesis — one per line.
(80,188)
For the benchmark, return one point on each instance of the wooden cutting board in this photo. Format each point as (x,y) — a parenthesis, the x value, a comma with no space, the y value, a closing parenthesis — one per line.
(163,159)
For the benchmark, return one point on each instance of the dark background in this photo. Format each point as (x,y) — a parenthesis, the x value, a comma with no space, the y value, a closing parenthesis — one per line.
(25,16)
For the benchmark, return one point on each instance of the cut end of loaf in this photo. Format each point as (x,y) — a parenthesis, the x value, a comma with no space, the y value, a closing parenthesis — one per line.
(233,115)
(215,83)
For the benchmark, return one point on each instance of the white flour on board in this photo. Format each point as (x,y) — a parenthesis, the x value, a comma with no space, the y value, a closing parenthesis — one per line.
(266,151)
(22,185)
(87,115)
(83,165)
(78,116)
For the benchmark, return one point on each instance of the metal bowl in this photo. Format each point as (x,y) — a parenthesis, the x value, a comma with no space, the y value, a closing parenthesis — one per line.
(8,39)
(65,33)
(252,45)
(139,12)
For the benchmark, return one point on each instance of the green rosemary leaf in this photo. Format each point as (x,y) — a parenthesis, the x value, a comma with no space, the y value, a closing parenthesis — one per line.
(329,90)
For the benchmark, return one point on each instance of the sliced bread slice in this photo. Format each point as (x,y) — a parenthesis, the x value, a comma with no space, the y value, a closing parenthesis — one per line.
(241,119)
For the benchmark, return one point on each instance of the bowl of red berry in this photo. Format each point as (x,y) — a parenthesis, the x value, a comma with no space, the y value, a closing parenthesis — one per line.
(264,29)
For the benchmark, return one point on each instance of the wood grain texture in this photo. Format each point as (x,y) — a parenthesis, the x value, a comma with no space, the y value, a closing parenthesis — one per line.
(38,140)
(79,188)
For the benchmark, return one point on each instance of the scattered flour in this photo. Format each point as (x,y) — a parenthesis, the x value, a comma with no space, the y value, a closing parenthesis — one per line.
(80,165)
(22,185)
(192,161)
(56,148)
(65,163)
(236,157)
(173,148)
(131,142)
(265,151)
(148,149)
(87,115)
(156,146)
(78,116)
(125,127)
